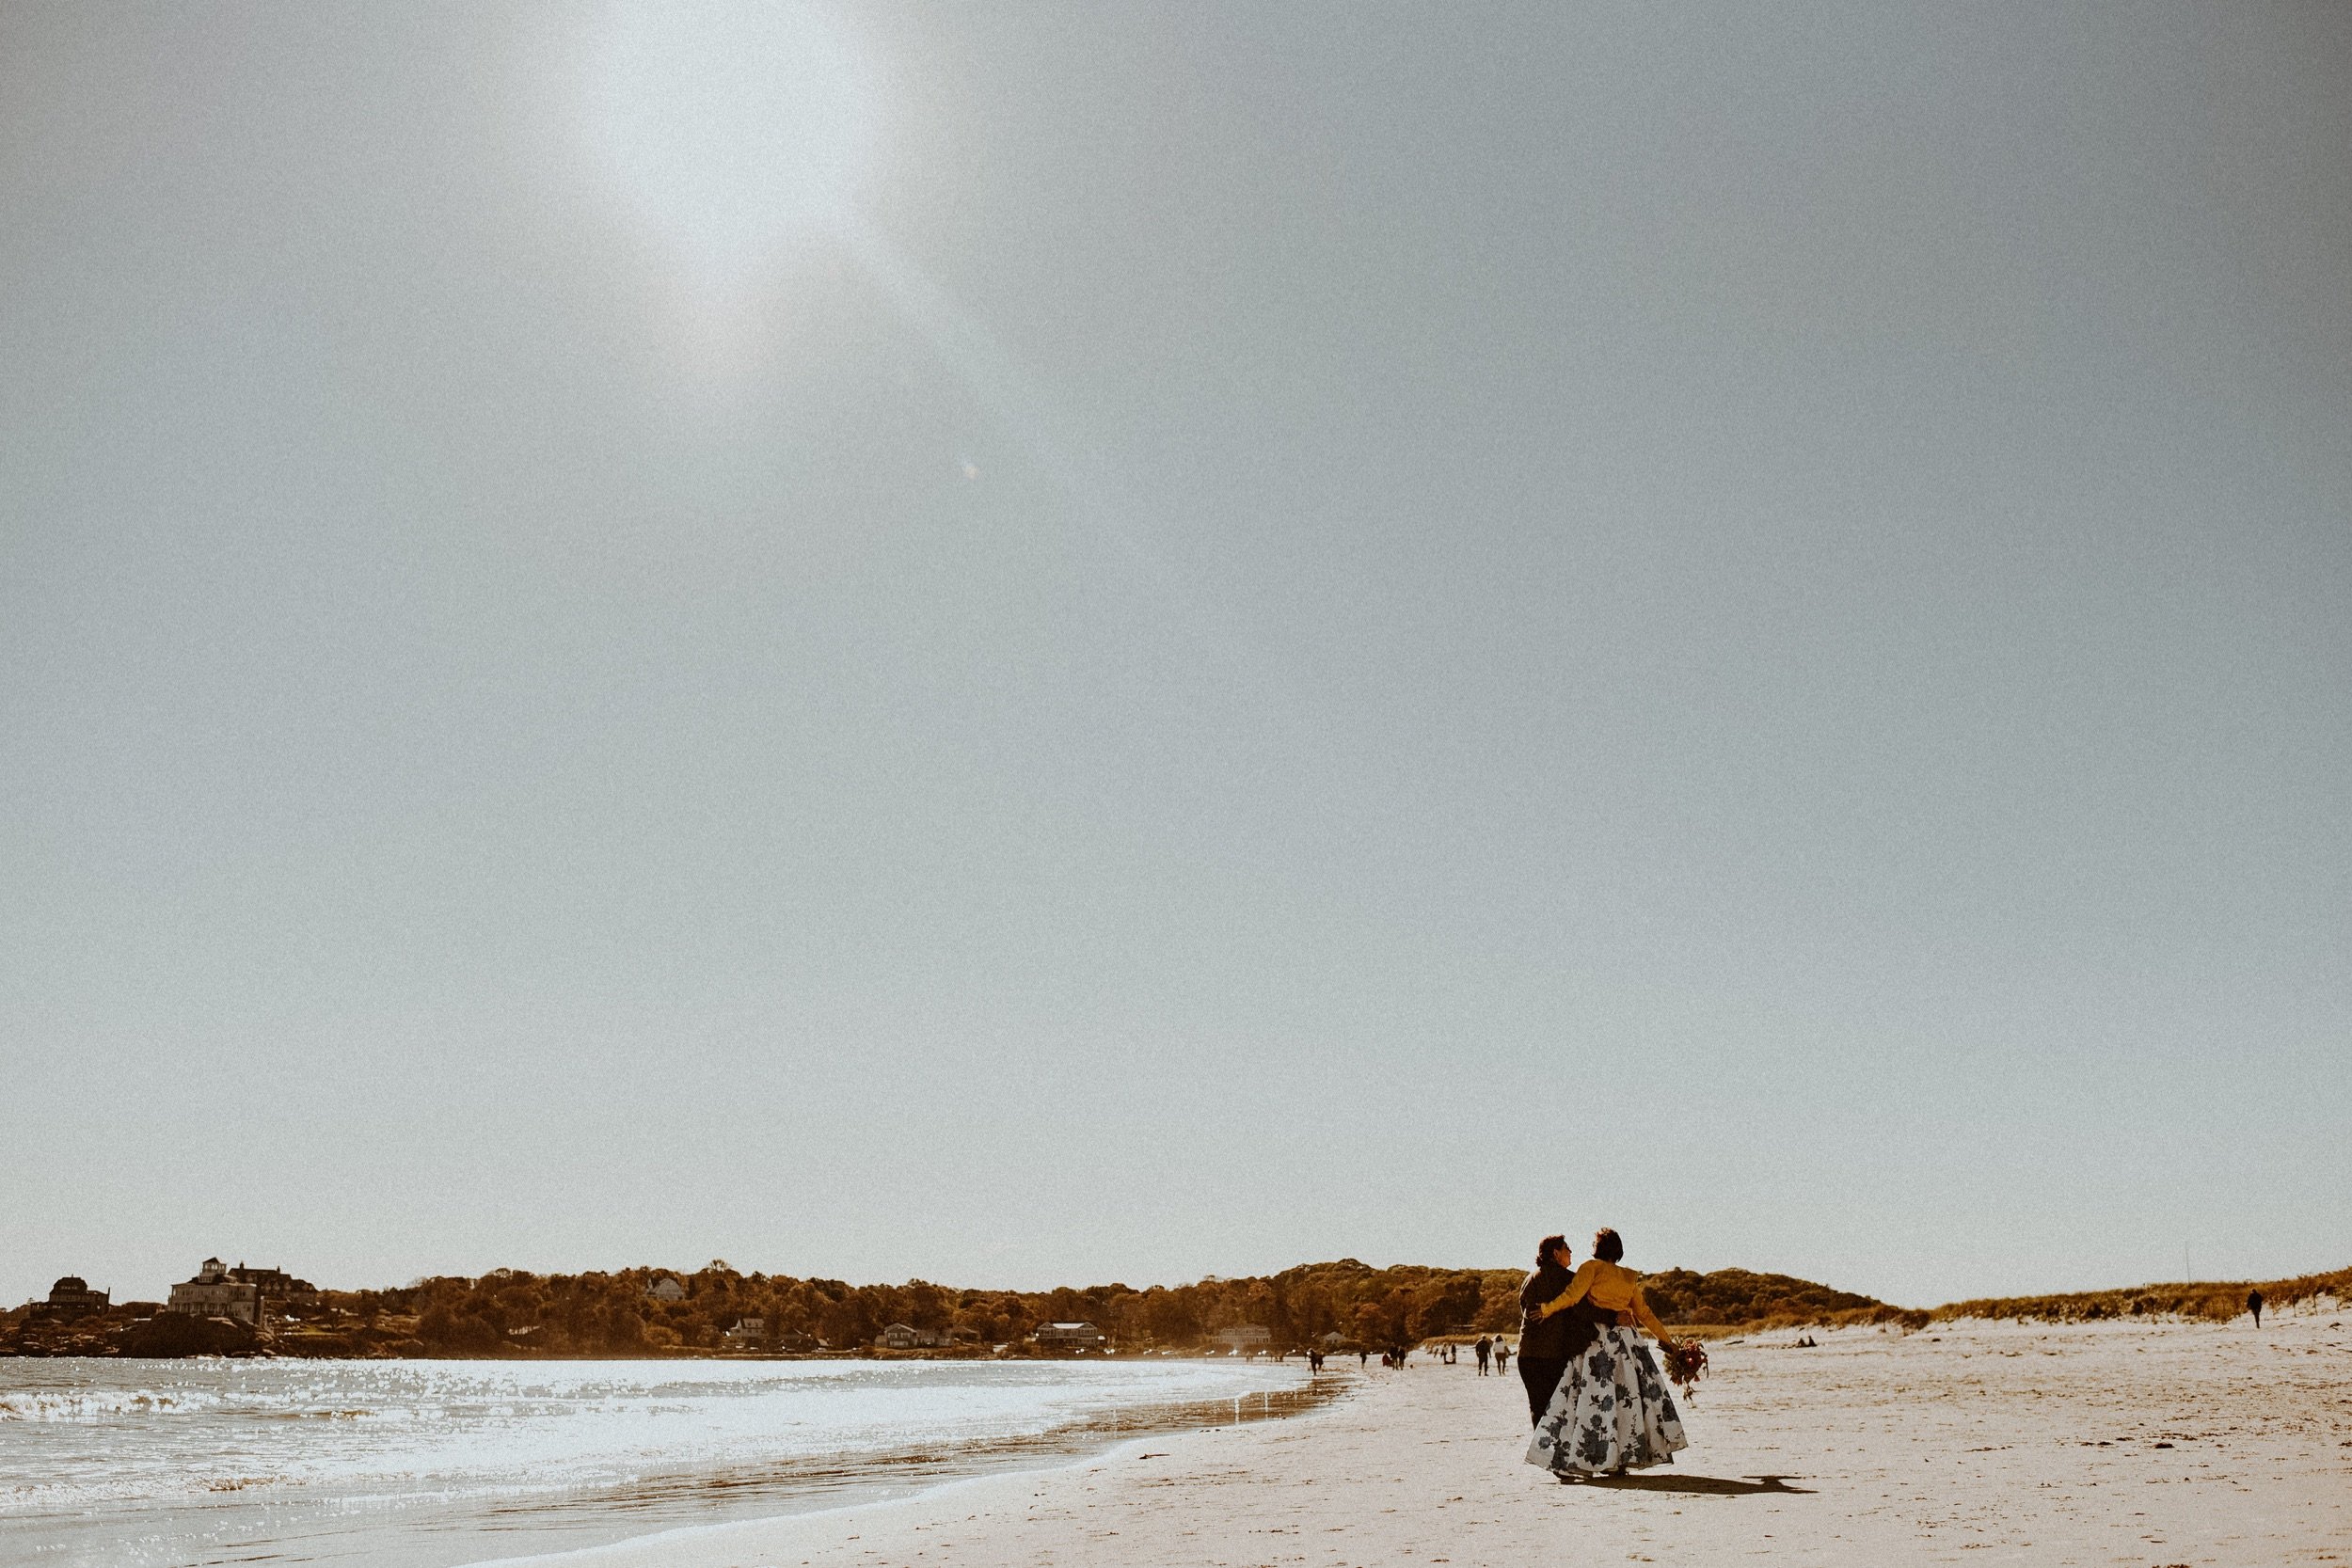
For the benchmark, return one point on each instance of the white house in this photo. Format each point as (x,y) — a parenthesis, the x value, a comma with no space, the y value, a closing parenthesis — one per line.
(1245,1337)
(1071,1335)
(747,1332)
(668,1288)
(216,1293)
(905,1336)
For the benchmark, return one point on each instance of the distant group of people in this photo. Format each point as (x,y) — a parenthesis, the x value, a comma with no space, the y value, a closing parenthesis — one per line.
(1393,1357)
(1493,1352)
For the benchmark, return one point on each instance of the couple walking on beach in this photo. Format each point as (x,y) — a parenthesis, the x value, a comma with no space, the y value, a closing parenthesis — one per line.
(1596,1394)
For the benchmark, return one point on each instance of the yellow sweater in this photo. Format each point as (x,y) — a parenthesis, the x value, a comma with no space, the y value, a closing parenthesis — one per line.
(1612,1286)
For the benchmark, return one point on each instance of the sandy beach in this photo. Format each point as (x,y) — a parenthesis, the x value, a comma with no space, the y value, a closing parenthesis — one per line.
(2131,1443)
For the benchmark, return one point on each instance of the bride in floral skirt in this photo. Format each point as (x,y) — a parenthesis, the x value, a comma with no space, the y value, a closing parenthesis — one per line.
(1611,1412)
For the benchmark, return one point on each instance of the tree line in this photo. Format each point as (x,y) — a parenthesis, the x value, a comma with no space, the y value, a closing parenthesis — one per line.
(614,1313)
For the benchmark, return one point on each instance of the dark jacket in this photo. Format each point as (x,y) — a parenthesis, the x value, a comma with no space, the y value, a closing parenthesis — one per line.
(1564,1336)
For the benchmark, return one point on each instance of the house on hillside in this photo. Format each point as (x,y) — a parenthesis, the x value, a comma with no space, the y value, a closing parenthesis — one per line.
(746,1333)
(1070,1336)
(276,1285)
(668,1288)
(906,1337)
(1243,1338)
(215,1293)
(72,1297)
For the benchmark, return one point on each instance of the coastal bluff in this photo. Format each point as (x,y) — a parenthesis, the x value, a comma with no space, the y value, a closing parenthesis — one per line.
(1343,1307)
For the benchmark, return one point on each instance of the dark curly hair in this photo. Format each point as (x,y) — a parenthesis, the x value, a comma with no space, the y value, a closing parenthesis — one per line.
(1607,1246)
(1545,1248)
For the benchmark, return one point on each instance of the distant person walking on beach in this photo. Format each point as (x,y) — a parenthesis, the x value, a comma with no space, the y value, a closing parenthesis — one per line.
(1503,1355)
(2255,1304)
(1485,1349)
(1610,1411)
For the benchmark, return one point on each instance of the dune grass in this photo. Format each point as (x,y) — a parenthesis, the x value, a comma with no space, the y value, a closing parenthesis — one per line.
(1764,1303)
(2210,1301)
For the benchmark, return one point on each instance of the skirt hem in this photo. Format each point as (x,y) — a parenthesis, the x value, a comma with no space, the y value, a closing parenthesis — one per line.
(1610,1413)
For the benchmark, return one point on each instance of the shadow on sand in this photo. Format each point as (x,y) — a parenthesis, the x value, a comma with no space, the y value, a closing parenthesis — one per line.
(1705,1486)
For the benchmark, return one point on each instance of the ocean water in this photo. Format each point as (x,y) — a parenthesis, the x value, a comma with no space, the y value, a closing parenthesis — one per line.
(436,1464)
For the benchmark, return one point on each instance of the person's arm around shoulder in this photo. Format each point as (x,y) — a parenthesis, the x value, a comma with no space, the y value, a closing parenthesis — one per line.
(1578,1286)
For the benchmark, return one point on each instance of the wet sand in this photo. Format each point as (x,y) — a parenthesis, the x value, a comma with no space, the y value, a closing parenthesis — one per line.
(2124,1443)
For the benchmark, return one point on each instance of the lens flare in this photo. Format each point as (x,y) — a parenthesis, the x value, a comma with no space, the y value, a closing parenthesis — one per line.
(729,131)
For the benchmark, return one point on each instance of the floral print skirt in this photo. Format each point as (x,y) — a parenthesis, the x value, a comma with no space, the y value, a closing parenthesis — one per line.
(1611,1413)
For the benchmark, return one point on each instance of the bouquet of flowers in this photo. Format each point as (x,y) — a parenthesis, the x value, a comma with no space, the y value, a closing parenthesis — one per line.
(1686,1363)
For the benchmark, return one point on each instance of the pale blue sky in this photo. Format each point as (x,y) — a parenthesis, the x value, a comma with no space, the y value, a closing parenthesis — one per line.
(1044,643)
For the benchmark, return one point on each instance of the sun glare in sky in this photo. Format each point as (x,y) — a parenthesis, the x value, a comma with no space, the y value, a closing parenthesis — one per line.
(728,135)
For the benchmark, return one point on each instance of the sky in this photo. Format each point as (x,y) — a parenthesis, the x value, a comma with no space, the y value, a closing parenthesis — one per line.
(1041,643)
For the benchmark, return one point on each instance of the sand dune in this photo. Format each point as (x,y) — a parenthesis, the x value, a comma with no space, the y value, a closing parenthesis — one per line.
(2132,1443)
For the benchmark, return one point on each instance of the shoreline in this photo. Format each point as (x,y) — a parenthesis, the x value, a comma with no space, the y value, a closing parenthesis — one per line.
(1981,1442)
(983,1476)
(925,1468)
(671,1488)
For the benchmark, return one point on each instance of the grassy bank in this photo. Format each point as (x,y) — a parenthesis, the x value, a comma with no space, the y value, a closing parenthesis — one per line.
(2215,1300)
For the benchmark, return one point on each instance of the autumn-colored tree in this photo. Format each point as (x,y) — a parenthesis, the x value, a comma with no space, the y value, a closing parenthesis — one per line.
(1446,1304)
(609,1313)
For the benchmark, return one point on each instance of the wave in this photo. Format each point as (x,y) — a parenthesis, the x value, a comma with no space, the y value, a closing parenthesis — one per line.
(99,1404)
(395,1463)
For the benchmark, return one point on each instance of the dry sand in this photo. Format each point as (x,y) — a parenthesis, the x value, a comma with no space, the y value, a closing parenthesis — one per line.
(2130,1443)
